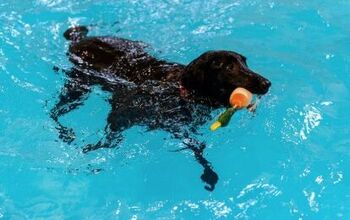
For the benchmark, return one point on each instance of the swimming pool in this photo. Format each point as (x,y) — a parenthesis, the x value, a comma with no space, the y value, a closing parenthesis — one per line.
(288,161)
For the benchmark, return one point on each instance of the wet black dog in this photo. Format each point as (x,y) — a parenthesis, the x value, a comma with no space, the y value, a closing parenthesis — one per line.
(153,93)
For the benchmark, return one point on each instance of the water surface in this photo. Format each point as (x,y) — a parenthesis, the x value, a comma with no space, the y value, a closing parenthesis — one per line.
(288,161)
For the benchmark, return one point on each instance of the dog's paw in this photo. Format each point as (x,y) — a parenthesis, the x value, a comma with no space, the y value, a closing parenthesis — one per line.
(67,135)
(210,178)
(92,147)
(88,148)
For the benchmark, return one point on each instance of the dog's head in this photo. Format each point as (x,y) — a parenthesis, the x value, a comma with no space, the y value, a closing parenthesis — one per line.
(216,74)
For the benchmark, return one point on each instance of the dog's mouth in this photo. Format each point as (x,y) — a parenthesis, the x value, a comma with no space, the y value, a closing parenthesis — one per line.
(253,82)
(249,80)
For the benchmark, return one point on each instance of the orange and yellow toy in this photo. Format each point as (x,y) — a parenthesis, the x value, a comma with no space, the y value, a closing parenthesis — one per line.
(240,98)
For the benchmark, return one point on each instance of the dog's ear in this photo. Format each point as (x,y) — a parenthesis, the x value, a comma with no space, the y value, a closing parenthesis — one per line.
(193,77)
(187,79)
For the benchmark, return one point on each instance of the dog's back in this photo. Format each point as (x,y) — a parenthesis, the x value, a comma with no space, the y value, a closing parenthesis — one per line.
(119,57)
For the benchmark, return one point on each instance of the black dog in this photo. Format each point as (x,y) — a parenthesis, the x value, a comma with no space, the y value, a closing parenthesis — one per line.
(149,92)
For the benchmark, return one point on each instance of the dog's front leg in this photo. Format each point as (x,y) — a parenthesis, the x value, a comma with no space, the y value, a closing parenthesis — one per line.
(73,94)
(111,140)
(120,118)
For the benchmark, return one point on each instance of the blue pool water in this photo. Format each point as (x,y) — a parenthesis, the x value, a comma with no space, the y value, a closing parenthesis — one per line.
(291,160)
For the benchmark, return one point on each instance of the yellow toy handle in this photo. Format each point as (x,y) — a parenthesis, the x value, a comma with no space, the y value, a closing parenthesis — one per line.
(223,119)
(215,126)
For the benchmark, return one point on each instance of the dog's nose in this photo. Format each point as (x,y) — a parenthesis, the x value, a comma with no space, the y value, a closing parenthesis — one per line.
(266,83)
(264,86)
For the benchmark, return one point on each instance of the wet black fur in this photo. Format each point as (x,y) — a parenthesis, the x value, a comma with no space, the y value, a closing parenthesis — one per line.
(146,91)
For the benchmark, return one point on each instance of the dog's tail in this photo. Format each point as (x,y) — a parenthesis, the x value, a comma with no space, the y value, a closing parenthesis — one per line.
(76,33)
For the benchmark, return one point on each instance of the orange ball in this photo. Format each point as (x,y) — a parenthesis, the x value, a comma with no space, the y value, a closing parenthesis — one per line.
(240,98)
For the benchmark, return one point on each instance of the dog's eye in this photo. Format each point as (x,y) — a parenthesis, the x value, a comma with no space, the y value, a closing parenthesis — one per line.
(216,64)
(229,66)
